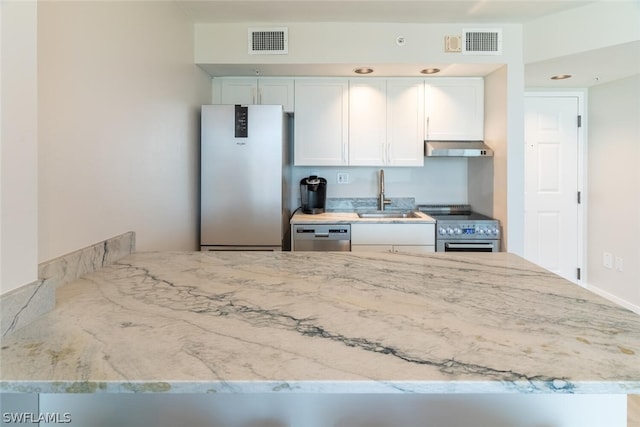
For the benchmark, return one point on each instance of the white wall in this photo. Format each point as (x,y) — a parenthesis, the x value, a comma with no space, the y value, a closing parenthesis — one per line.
(119,101)
(19,144)
(613,212)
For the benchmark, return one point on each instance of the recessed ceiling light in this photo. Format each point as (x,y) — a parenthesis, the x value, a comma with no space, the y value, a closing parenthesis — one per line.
(561,77)
(430,71)
(363,70)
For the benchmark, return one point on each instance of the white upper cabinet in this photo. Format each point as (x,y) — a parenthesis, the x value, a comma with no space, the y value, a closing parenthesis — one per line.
(277,92)
(367,122)
(248,91)
(321,122)
(405,122)
(386,122)
(454,108)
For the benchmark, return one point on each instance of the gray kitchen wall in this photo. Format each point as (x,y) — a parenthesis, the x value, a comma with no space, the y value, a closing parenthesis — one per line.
(440,180)
(19,144)
(119,107)
(613,190)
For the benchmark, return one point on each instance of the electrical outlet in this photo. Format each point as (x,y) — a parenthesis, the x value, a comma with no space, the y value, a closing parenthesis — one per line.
(607,260)
(619,264)
(343,178)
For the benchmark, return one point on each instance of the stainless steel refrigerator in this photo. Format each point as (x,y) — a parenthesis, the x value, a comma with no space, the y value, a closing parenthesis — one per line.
(243,153)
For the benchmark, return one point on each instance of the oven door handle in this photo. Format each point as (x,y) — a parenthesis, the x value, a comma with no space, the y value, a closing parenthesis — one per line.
(479,245)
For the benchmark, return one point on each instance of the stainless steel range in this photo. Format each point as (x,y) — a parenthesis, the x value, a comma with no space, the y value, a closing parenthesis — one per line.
(459,229)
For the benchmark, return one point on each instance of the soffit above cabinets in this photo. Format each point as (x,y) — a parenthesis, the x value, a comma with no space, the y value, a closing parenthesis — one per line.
(346,70)
(595,65)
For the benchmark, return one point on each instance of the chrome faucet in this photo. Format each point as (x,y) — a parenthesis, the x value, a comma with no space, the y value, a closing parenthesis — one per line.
(381,200)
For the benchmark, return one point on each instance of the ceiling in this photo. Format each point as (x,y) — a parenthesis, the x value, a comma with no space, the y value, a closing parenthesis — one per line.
(588,68)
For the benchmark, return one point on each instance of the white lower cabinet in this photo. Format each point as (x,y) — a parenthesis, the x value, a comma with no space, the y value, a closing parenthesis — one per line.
(393,237)
(422,249)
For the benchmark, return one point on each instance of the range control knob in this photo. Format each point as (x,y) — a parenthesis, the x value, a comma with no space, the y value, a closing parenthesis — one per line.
(457,231)
(449,230)
(441,230)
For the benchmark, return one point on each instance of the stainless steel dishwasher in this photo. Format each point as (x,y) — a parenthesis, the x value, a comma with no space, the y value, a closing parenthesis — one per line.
(322,237)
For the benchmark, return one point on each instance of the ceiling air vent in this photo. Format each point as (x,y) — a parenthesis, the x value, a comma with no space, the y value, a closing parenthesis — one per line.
(268,41)
(482,41)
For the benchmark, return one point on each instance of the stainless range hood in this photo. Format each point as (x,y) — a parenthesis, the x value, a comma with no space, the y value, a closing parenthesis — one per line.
(457,149)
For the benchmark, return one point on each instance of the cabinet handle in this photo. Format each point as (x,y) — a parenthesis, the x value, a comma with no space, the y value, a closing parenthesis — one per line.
(260,96)
(254,95)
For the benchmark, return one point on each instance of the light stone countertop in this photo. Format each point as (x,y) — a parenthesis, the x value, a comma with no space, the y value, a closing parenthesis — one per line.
(310,322)
(352,217)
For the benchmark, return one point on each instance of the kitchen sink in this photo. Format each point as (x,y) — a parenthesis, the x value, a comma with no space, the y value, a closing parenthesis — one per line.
(383,214)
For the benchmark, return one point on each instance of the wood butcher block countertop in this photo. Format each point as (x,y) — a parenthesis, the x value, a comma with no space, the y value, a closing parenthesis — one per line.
(203,322)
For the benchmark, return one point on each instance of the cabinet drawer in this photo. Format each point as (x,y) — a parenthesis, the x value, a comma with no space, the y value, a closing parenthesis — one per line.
(392,234)
(371,248)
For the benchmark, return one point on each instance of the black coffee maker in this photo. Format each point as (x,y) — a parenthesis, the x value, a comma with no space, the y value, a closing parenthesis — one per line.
(313,194)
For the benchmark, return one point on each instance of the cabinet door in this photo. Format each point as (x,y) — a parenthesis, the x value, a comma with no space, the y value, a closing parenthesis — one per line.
(248,91)
(405,123)
(416,249)
(321,123)
(238,91)
(455,109)
(276,92)
(367,122)
(412,234)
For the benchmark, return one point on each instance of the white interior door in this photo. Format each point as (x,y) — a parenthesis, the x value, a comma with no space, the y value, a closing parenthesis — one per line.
(551,184)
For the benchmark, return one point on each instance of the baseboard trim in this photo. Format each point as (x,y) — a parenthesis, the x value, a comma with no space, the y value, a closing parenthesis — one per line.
(613,298)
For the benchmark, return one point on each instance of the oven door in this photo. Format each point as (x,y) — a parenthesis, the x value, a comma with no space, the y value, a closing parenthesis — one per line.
(467,246)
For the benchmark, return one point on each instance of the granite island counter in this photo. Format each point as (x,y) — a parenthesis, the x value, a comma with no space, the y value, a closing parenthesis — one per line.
(305,322)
